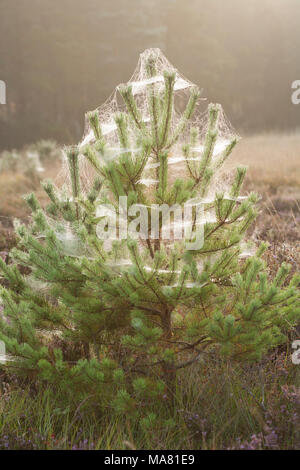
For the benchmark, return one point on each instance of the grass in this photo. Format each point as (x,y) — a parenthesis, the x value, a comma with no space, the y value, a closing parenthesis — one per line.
(217,405)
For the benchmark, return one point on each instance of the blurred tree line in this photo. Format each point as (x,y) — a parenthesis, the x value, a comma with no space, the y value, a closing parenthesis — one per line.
(60,58)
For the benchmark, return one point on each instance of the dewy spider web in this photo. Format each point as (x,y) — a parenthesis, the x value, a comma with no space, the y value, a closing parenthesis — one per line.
(142,86)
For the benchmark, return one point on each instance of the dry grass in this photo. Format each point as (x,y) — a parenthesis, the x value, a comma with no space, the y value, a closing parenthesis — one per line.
(13,186)
(272,159)
(273,162)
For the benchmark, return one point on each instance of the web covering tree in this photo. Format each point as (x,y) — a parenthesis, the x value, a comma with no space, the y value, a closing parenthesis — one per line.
(115,319)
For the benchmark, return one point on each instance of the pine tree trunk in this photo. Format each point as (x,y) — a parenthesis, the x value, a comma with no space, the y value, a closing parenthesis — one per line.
(169,371)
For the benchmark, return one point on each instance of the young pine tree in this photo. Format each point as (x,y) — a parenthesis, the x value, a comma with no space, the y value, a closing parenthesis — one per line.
(115,319)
